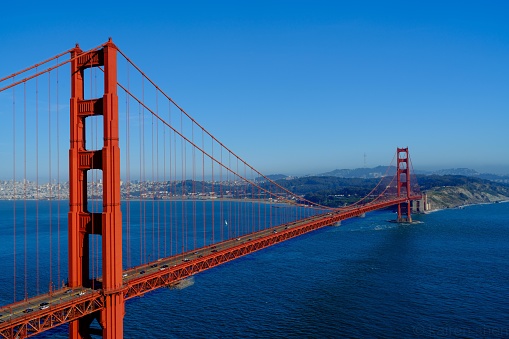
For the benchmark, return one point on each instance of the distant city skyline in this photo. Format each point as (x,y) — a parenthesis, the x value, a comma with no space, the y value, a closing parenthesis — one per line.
(63,179)
(303,87)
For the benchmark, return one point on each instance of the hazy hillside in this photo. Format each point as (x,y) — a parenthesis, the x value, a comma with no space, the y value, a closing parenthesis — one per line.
(377,172)
(453,191)
(444,191)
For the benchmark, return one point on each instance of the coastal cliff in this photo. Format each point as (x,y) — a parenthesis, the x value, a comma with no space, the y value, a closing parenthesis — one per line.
(468,194)
(443,191)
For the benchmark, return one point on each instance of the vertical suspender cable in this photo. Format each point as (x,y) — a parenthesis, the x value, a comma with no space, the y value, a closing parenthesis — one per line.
(128,177)
(183,174)
(251,229)
(203,190)
(140,181)
(25,182)
(157,180)
(143,172)
(37,177)
(140,124)
(153,187)
(58,177)
(245,205)
(193,150)
(50,183)
(170,182)
(14,183)
(231,187)
(176,208)
(186,205)
(212,183)
(176,221)
(166,195)
(221,193)
(259,203)
(238,213)
(25,249)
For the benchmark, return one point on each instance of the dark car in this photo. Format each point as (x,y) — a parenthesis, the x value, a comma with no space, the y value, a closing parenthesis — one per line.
(28,310)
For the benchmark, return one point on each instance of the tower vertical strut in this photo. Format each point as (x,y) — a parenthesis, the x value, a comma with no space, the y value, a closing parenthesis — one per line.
(82,222)
(403,181)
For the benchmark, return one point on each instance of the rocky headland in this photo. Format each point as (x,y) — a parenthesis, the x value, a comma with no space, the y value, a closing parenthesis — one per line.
(467,194)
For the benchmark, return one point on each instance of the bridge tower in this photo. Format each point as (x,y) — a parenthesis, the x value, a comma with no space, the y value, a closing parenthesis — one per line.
(403,181)
(81,222)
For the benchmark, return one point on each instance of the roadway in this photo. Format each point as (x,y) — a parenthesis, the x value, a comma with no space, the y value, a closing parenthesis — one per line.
(67,304)
(42,303)
(201,254)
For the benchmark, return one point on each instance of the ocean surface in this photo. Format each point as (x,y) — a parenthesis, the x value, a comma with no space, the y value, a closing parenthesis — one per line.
(447,275)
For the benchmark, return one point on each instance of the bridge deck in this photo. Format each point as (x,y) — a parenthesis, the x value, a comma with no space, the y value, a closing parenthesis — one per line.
(38,314)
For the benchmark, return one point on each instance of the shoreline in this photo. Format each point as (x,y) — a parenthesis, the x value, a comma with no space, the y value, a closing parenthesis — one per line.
(466,205)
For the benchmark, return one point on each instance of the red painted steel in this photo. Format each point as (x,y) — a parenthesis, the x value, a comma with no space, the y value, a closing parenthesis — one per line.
(232,249)
(106,305)
(39,321)
(82,223)
(178,269)
(113,313)
(403,181)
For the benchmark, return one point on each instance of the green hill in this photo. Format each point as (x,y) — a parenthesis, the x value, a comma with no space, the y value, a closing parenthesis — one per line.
(443,191)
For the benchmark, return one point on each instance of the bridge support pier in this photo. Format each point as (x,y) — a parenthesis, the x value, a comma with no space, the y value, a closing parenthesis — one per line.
(112,317)
(405,218)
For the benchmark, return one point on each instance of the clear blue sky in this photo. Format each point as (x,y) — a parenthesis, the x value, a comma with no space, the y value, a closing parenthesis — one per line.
(304,87)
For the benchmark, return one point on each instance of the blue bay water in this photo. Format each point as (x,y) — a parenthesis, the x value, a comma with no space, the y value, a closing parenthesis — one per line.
(446,276)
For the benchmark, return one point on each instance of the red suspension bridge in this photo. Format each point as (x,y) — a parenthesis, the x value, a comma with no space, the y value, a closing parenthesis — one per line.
(153,197)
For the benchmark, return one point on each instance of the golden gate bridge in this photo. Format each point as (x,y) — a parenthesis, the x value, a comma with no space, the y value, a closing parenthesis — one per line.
(153,197)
